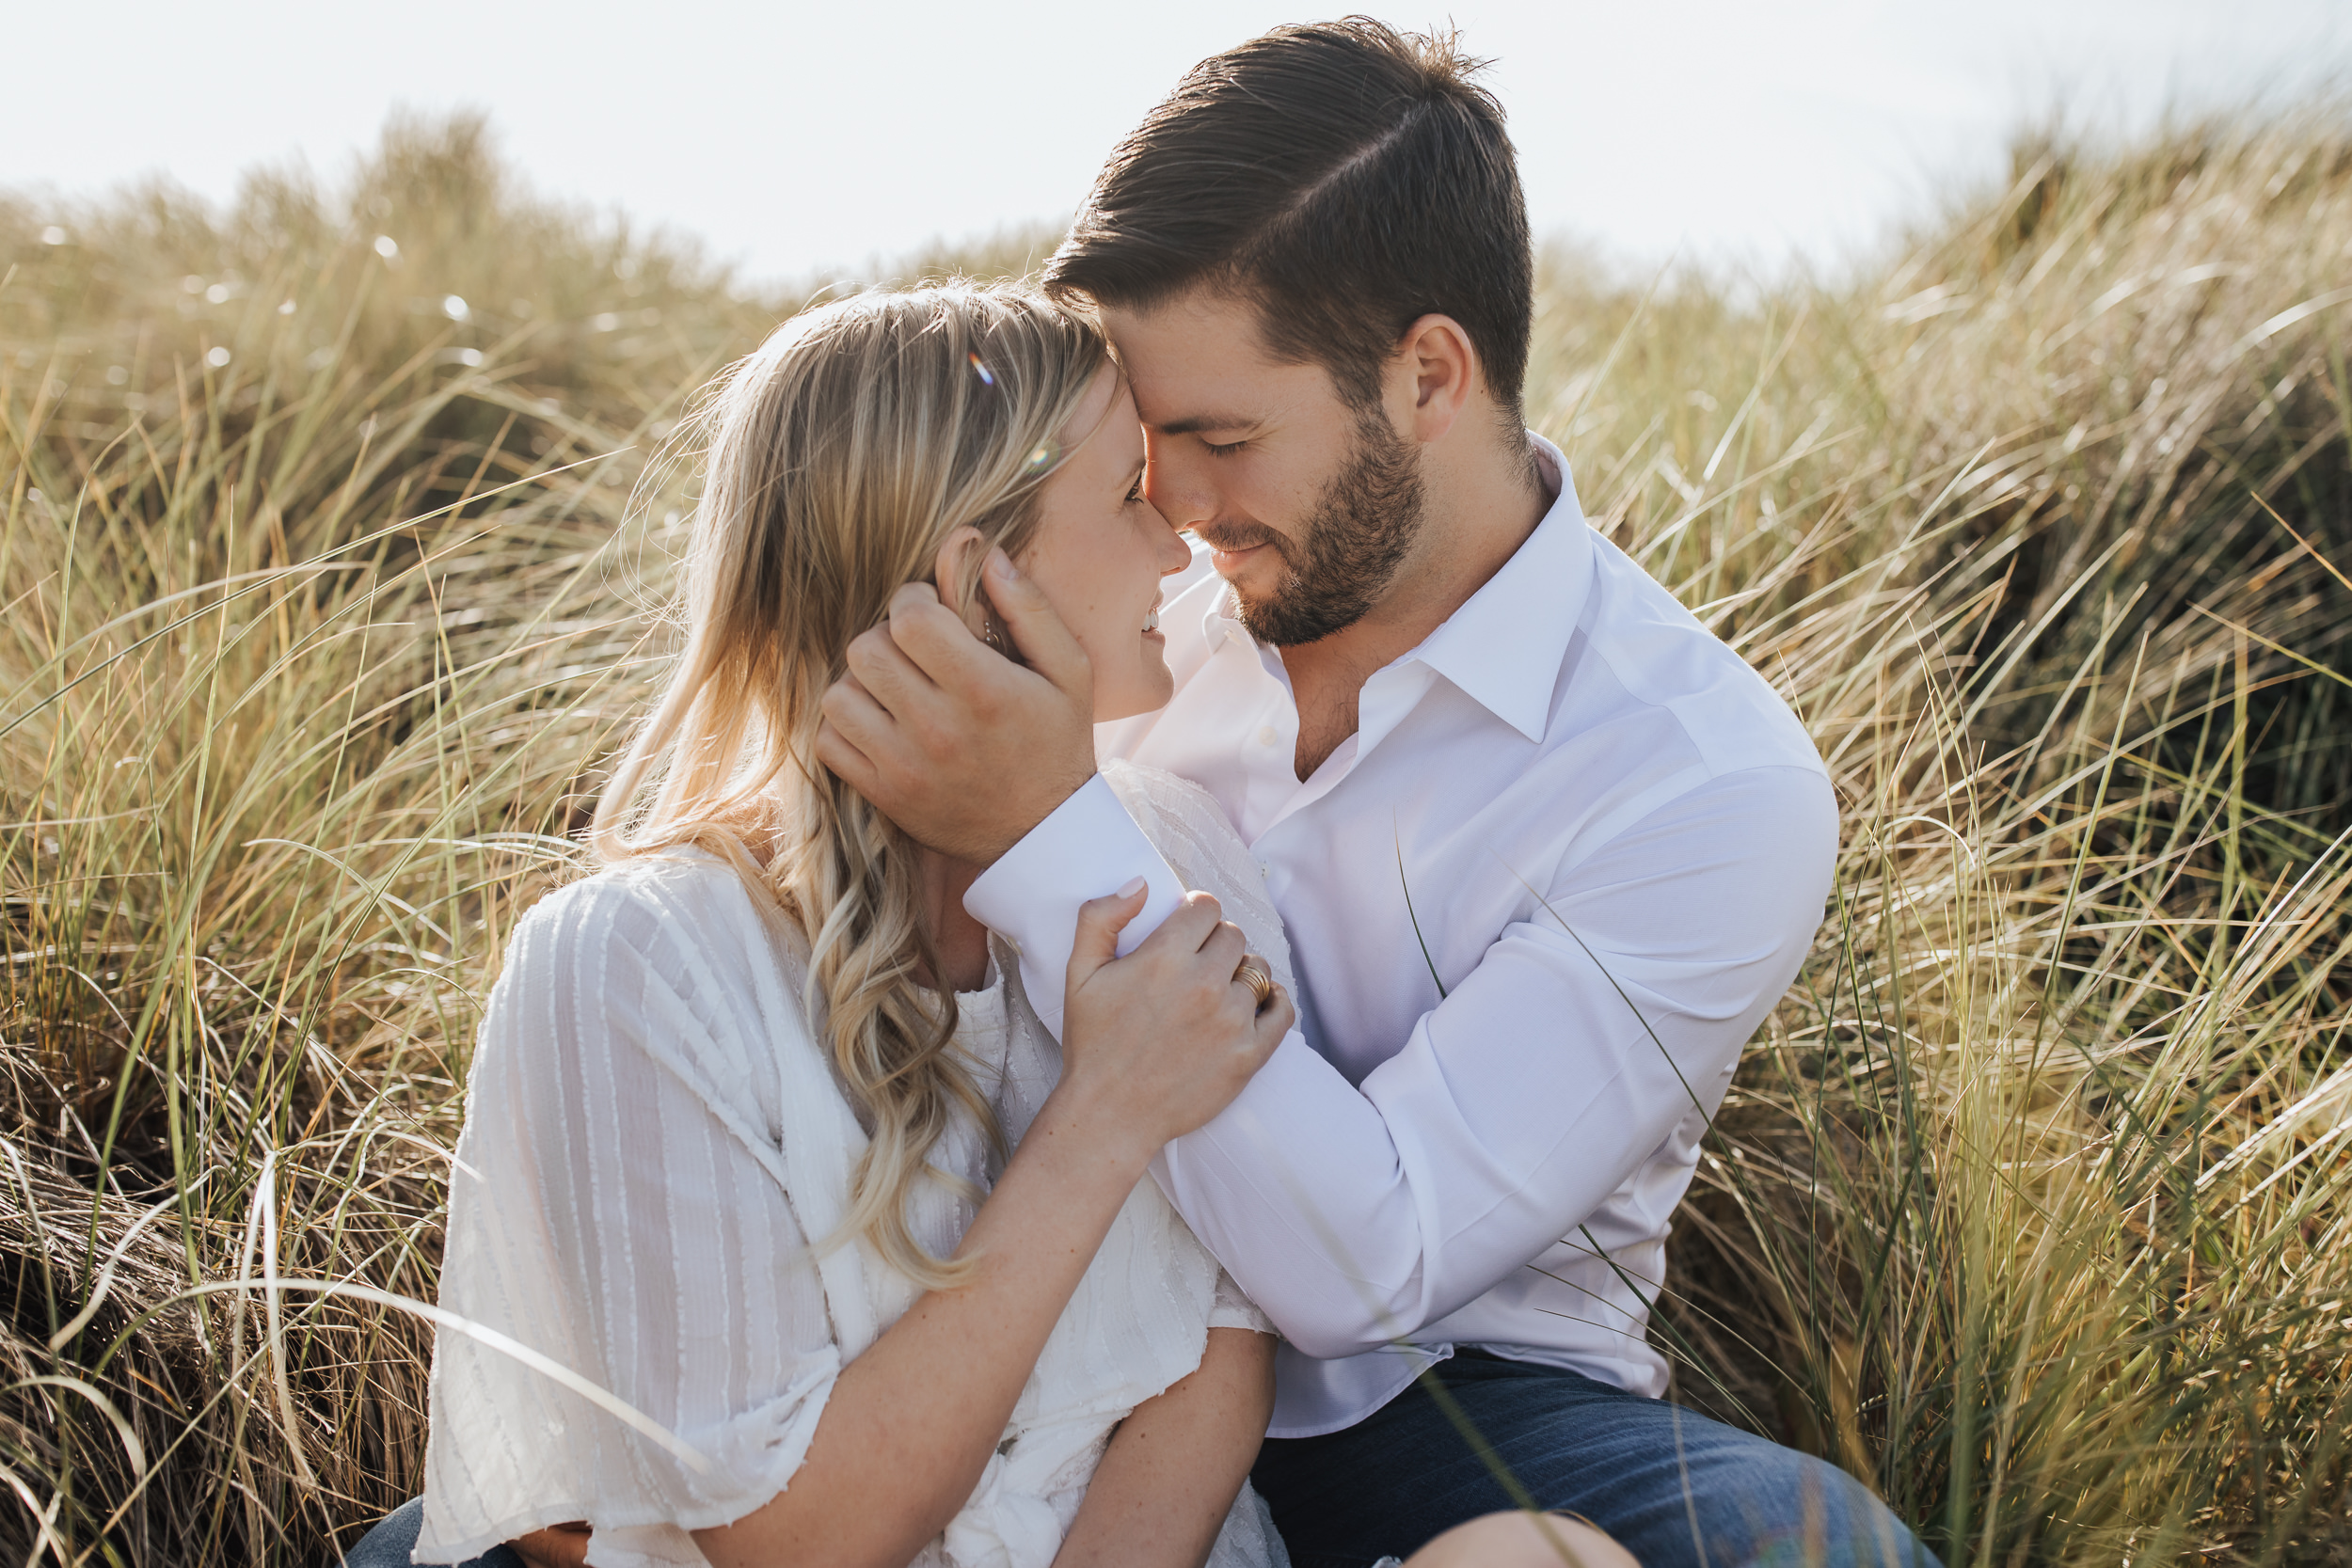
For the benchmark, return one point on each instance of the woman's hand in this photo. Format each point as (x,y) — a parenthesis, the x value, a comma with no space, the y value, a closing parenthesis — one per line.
(1163,1040)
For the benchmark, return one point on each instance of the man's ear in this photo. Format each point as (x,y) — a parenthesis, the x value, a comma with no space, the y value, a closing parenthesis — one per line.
(1437,357)
(957,574)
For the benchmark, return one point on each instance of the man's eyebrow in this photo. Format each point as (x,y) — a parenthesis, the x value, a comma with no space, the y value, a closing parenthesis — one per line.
(1207,421)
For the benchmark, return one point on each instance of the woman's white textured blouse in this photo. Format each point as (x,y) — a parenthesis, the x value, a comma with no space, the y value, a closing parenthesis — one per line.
(652,1140)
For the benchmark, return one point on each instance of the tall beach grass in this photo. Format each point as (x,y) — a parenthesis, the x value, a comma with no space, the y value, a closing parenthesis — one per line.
(332,564)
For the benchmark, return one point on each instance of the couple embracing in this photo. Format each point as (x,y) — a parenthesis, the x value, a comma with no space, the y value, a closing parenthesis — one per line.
(1085,1053)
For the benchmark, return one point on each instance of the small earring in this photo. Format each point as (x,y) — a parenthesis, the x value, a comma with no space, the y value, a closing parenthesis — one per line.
(997,636)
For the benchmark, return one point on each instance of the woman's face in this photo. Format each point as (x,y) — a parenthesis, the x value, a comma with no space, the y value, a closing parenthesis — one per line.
(1100,551)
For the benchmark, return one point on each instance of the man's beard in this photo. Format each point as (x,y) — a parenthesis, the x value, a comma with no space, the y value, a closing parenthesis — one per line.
(1364,524)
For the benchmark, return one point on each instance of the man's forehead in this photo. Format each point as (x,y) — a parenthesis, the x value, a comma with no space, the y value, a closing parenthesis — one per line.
(1199,361)
(1228,314)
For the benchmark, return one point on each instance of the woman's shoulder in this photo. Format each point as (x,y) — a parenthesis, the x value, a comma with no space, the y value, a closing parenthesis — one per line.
(645,905)
(664,953)
(658,879)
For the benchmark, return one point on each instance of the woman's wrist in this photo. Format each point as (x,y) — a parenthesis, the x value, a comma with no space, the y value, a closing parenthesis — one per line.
(1083,1124)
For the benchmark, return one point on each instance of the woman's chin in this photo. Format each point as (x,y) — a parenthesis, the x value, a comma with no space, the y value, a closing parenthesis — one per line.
(1148,694)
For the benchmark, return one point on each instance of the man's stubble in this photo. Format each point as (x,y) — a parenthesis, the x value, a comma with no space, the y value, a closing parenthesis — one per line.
(1363,526)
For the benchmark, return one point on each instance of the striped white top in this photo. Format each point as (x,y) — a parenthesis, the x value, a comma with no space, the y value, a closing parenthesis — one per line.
(652,1140)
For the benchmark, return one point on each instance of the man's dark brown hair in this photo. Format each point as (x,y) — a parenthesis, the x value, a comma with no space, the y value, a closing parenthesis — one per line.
(1352,179)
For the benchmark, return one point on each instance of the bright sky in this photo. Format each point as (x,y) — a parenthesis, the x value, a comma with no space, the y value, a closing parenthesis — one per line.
(796,137)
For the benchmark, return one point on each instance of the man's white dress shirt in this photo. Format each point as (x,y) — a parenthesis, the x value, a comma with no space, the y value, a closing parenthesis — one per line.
(1573,854)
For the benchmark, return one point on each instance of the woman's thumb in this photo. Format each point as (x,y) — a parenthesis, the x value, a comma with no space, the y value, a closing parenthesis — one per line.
(1099,921)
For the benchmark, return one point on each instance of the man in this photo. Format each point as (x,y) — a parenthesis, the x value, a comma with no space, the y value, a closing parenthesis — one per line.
(1546,850)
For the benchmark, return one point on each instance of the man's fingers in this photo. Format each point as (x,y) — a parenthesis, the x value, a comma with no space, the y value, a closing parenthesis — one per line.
(892,679)
(934,639)
(852,766)
(856,737)
(1037,631)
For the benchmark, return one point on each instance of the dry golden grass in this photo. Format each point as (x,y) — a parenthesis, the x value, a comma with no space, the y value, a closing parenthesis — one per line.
(325,595)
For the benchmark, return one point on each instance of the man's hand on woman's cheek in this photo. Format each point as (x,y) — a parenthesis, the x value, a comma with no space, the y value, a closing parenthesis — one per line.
(961,747)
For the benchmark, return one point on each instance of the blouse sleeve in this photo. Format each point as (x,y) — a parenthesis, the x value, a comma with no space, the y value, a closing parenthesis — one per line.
(616,1214)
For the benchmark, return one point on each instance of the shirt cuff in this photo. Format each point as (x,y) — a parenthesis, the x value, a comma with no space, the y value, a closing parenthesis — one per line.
(1086,847)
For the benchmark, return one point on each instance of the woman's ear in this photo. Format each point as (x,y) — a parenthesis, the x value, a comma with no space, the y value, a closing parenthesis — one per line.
(958,566)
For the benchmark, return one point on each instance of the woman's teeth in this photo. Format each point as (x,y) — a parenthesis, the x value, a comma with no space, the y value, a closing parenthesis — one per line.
(1152,622)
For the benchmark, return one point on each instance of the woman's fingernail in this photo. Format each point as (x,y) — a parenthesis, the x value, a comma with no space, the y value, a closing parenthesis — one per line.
(1134,886)
(1003,564)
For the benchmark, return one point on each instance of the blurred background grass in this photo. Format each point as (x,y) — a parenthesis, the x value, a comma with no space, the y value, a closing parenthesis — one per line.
(333,560)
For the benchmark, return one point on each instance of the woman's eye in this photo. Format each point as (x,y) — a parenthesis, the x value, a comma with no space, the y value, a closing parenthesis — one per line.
(1135,492)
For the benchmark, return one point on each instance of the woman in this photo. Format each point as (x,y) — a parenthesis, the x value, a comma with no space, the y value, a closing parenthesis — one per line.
(762,1139)
(821,1249)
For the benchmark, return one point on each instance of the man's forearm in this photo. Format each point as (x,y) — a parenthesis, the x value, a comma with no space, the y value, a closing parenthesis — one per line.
(1303,1188)
(1354,1214)
(1298,1189)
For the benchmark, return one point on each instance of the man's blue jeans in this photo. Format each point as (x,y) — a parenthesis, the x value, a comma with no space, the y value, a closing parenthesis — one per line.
(1676,1489)
(394,1537)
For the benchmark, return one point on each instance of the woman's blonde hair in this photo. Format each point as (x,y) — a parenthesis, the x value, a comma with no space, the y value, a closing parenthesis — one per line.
(839,456)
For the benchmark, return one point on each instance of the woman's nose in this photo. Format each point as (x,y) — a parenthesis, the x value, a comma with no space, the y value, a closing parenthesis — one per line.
(1175,555)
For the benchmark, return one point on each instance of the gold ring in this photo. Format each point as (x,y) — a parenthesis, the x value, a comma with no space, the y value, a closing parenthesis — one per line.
(1252,973)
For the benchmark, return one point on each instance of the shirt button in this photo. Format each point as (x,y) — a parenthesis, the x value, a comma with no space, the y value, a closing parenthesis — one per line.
(1267,735)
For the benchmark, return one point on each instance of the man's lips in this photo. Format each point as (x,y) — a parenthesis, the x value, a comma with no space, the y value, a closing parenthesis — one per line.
(1229,558)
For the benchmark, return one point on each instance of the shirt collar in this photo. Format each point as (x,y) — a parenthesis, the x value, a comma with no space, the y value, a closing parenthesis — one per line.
(1503,647)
